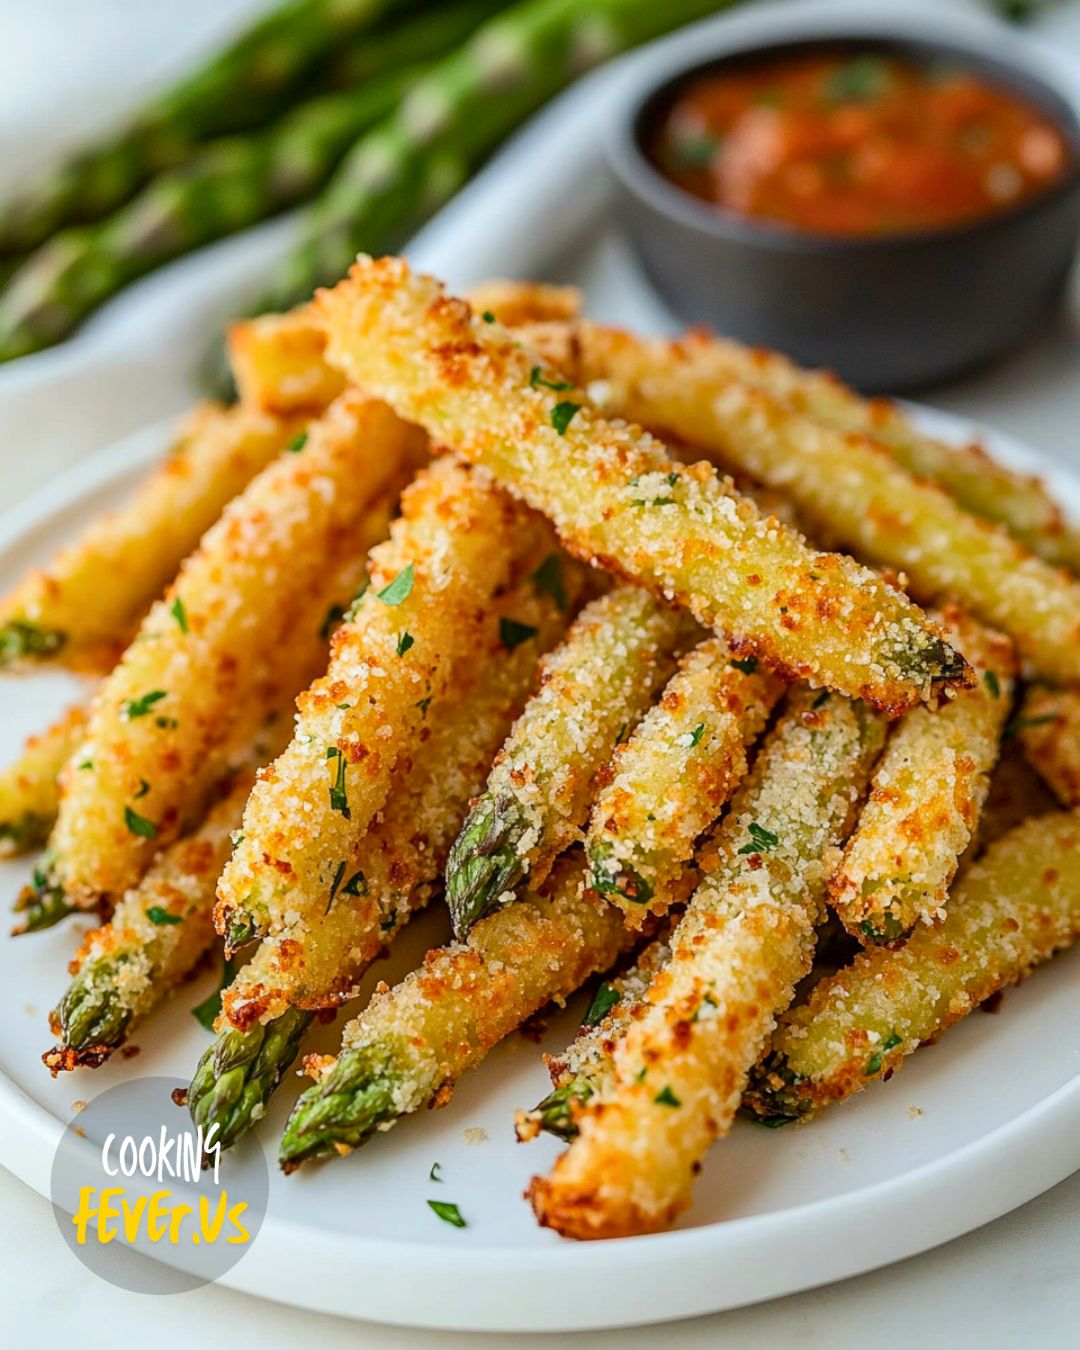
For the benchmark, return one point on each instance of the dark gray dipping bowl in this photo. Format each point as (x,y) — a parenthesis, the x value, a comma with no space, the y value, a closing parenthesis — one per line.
(890,312)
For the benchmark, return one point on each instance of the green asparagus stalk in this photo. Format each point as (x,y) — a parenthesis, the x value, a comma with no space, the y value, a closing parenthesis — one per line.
(252,80)
(238,1074)
(402,171)
(414,1041)
(596,685)
(42,903)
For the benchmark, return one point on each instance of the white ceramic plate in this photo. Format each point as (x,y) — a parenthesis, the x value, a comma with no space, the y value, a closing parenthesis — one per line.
(972,1128)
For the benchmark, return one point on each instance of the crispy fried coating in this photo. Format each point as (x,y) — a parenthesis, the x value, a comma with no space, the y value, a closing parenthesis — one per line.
(30,787)
(744,943)
(618,498)
(83,607)
(1048,726)
(234,629)
(670,780)
(846,486)
(1014,908)
(457,543)
(314,960)
(926,797)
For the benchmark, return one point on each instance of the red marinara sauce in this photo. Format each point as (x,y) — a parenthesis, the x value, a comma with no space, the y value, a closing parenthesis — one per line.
(856,145)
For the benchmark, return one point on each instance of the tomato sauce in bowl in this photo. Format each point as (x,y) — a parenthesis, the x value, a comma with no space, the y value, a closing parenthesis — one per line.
(854,145)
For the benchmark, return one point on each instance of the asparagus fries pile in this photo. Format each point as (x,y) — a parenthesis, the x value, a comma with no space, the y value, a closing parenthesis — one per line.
(668,767)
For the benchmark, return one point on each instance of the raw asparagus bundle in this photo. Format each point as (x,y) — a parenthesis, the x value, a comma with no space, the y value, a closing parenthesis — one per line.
(252,80)
(452,119)
(223,186)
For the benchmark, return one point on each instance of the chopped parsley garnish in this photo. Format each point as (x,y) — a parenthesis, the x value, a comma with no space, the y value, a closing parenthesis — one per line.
(339,800)
(166,723)
(334,616)
(874,1063)
(821,700)
(334,886)
(404,642)
(424,704)
(398,590)
(512,634)
(761,840)
(992,683)
(297,443)
(144,788)
(157,915)
(605,998)
(139,825)
(179,613)
(433,1175)
(563,414)
(87,764)
(385,925)
(356,885)
(1019,724)
(354,603)
(236,839)
(139,707)
(666,1098)
(487,316)
(206,1012)
(747,666)
(548,579)
(449,1213)
(693,738)
(538,380)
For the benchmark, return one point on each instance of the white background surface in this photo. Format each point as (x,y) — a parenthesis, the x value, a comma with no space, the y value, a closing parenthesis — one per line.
(65,64)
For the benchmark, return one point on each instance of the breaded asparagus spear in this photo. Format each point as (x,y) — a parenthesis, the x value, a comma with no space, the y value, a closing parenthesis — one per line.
(232,630)
(584,1069)
(158,933)
(251,80)
(83,607)
(745,941)
(977,482)
(594,687)
(1014,908)
(670,780)
(846,486)
(1048,726)
(29,788)
(457,543)
(412,1042)
(617,497)
(926,797)
(391,873)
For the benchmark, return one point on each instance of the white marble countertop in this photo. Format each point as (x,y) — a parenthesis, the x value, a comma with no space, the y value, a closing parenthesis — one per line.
(68,64)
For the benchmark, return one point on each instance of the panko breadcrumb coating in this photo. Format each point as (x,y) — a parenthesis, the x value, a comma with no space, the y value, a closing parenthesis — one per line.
(84,606)
(617,497)
(1014,908)
(926,797)
(593,688)
(30,788)
(670,780)
(236,626)
(847,487)
(314,959)
(411,1044)
(744,943)
(1048,725)
(457,543)
(158,933)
